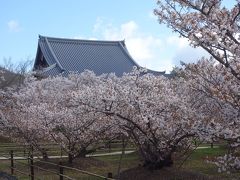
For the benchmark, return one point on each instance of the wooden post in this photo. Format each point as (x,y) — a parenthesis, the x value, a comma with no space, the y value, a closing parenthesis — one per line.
(12,162)
(61,152)
(110,175)
(211,144)
(60,171)
(31,167)
(109,146)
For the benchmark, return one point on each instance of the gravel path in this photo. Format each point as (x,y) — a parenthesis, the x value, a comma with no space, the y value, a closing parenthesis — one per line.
(89,155)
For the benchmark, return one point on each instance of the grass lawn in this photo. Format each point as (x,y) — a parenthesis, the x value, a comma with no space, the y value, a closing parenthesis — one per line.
(195,164)
(99,165)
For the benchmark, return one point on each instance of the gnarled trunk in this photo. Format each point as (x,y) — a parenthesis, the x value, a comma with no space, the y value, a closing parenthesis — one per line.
(158,163)
(82,153)
(154,158)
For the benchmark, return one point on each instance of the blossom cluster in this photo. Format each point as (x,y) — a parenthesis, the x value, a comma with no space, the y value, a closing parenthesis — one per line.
(227,163)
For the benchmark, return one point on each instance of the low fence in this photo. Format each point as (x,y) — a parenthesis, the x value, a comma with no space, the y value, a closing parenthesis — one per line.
(31,162)
(54,149)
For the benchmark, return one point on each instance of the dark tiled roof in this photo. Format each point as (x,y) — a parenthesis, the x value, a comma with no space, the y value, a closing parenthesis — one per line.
(71,55)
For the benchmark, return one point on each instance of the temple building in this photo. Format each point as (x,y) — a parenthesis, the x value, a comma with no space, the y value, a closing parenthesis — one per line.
(61,56)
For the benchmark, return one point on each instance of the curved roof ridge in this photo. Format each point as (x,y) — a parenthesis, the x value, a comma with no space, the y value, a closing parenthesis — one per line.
(123,47)
(81,40)
(53,54)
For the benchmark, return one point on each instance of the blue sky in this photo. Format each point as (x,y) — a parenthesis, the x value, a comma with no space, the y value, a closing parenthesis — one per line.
(151,45)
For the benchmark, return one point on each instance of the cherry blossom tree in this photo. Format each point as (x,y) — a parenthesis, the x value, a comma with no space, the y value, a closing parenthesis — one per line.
(11,77)
(150,110)
(21,117)
(207,24)
(215,91)
(214,83)
(47,111)
(157,117)
(1,98)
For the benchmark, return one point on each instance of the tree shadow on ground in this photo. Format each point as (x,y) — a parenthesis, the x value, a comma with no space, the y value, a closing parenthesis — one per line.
(140,173)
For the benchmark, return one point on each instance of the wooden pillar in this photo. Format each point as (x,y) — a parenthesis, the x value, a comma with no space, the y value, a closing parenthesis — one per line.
(12,162)
(60,171)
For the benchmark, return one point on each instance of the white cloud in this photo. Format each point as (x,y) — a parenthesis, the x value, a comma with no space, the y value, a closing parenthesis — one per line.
(183,51)
(128,29)
(177,41)
(93,38)
(14,26)
(139,45)
(189,55)
(98,24)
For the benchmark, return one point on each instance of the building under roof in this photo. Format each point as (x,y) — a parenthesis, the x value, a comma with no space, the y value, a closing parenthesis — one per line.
(62,56)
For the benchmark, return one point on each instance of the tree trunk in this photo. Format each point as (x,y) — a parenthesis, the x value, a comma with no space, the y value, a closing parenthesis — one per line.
(155,159)
(70,158)
(158,163)
(45,155)
(82,153)
(124,144)
(41,149)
